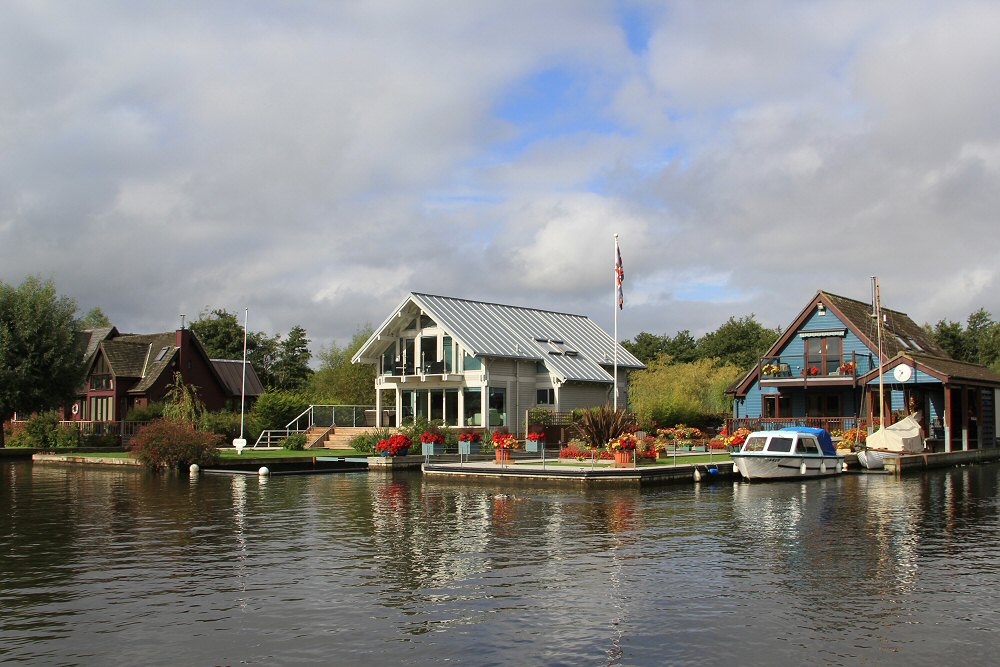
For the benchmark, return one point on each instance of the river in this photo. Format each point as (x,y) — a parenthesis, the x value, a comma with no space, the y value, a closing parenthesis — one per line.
(105,566)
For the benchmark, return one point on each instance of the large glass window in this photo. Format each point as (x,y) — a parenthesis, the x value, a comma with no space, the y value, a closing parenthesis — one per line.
(498,407)
(472,400)
(428,353)
(389,360)
(420,409)
(407,409)
(437,404)
(408,358)
(451,407)
(824,353)
(470,363)
(448,354)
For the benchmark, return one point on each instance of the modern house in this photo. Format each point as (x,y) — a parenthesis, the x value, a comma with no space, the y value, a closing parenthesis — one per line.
(476,364)
(824,371)
(124,371)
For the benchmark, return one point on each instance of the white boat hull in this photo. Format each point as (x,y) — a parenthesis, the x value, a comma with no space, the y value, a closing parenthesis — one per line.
(871,459)
(764,465)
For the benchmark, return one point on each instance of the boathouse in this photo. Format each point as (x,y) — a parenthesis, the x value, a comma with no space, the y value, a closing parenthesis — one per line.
(824,371)
(474,364)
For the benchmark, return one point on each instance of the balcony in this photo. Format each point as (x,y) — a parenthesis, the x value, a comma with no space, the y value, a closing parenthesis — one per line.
(798,368)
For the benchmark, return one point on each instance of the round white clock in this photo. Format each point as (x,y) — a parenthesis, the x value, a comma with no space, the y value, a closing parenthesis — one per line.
(902,373)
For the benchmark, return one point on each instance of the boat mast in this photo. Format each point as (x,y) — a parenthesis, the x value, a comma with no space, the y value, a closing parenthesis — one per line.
(877,306)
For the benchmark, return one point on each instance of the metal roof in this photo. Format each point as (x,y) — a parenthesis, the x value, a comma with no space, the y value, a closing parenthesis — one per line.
(572,347)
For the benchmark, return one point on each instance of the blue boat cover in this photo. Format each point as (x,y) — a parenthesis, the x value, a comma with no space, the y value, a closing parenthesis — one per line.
(822,435)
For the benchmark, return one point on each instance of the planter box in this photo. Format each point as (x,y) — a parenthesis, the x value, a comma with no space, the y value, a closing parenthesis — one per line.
(534,445)
(431,448)
(465,447)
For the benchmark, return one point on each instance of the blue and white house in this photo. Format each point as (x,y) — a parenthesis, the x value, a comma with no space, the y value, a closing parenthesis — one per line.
(823,371)
(473,364)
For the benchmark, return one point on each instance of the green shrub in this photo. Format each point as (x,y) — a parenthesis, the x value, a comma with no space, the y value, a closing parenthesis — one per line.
(145,413)
(66,436)
(540,416)
(224,424)
(601,424)
(275,409)
(164,443)
(295,442)
(101,441)
(364,443)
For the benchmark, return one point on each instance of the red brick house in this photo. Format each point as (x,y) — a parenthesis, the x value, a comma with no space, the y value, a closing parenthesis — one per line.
(124,371)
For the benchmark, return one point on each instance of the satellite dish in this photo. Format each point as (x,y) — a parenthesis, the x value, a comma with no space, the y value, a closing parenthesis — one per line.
(902,373)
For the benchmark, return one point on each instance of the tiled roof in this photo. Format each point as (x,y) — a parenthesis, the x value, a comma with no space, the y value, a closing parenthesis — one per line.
(944,367)
(579,349)
(899,333)
(230,371)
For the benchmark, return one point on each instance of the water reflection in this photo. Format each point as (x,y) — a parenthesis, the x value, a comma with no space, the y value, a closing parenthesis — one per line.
(391,568)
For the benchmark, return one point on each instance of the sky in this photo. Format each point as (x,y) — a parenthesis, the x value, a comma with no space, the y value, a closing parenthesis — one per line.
(316,161)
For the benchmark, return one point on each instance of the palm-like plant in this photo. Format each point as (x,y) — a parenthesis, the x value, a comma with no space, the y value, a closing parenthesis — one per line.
(599,425)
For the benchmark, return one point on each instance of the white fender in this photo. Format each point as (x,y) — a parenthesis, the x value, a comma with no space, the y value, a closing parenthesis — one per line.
(802,468)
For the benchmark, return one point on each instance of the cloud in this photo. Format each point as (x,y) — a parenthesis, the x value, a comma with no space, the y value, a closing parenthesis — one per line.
(316,161)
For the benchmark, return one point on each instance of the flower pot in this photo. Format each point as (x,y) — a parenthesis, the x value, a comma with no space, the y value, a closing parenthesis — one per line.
(623,458)
(402,451)
(503,455)
(464,447)
(431,448)
(533,445)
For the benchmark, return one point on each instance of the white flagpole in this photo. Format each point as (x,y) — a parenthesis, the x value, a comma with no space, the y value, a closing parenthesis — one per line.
(614,305)
(239,443)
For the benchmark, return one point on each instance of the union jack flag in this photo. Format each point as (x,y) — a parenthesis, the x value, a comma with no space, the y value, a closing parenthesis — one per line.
(619,275)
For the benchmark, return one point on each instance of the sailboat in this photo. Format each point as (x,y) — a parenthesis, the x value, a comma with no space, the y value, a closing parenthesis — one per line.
(903,436)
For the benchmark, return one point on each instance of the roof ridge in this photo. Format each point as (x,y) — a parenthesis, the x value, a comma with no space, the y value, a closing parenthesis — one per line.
(857,301)
(502,305)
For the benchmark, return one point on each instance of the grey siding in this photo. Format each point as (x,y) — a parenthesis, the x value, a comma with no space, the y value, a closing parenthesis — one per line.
(576,396)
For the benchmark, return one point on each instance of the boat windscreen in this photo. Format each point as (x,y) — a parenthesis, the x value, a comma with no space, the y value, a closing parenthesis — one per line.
(755,444)
(780,445)
(807,446)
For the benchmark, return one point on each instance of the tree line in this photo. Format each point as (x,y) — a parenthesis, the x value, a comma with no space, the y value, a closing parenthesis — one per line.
(686,378)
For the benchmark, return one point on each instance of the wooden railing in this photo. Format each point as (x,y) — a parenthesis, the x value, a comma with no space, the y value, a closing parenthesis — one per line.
(766,423)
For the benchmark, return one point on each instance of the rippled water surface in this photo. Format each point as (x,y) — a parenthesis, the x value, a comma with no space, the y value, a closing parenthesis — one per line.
(119,567)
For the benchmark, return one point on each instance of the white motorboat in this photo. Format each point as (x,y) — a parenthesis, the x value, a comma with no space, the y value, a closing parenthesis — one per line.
(788,453)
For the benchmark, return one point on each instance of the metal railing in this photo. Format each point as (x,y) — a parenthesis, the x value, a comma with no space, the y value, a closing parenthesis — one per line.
(323,416)
(331,415)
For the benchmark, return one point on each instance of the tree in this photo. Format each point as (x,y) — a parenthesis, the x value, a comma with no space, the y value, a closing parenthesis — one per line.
(221,334)
(182,403)
(978,342)
(950,336)
(739,341)
(94,319)
(291,369)
(692,393)
(40,363)
(338,381)
(647,347)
